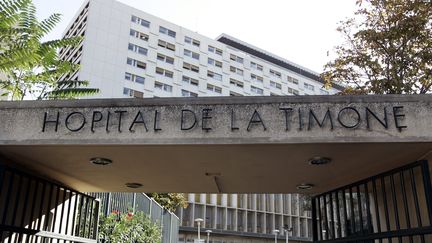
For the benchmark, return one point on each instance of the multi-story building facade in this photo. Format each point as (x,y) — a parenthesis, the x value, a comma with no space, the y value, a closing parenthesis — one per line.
(129,53)
(241,218)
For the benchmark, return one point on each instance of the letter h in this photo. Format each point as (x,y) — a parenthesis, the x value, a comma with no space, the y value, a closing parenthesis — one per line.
(45,122)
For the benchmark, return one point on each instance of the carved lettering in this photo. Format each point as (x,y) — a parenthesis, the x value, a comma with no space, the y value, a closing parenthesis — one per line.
(384,122)
(120,115)
(205,117)
(139,119)
(68,121)
(182,122)
(256,119)
(56,121)
(156,122)
(94,119)
(312,117)
(344,111)
(397,115)
(287,112)
(233,127)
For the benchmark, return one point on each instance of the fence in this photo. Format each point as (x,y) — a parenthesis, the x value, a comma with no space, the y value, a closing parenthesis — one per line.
(395,206)
(34,210)
(141,202)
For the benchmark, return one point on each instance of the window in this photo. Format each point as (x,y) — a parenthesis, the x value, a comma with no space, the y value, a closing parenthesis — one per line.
(293,91)
(275,73)
(128,76)
(140,21)
(256,66)
(215,50)
(214,75)
(275,85)
(164,58)
(292,80)
(139,35)
(236,83)
(166,31)
(192,41)
(133,93)
(137,49)
(257,90)
(136,63)
(309,86)
(164,72)
(162,86)
(235,94)
(215,89)
(324,92)
(256,78)
(190,80)
(134,78)
(166,45)
(236,58)
(190,67)
(236,70)
(186,93)
(192,54)
(214,62)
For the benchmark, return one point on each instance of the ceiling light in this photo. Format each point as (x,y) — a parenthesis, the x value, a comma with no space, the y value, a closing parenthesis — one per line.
(100,161)
(305,186)
(319,161)
(133,185)
(213,174)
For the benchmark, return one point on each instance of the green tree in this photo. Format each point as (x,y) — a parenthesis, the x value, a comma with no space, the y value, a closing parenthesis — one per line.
(170,201)
(134,228)
(387,49)
(28,66)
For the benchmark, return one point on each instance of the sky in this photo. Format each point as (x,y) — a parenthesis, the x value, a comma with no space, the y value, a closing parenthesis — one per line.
(302,31)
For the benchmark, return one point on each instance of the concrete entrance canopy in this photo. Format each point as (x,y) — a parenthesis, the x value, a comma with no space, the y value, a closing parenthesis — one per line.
(223,144)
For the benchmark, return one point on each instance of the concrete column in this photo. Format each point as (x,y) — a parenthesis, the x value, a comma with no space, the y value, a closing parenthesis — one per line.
(203,198)
(233,201)
(254,222)
(191,197)
(272,203)
(213,199)
(235,219)
(192,205)
(224,218)
(224,200)
(215,217)
(204,215)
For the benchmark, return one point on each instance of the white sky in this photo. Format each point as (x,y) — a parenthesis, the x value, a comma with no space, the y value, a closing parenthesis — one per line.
(301,31)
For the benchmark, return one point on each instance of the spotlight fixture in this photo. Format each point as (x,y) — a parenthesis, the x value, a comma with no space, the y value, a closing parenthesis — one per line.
(319,161)
(100,161)
(133,185)
(305,186)
(213,174)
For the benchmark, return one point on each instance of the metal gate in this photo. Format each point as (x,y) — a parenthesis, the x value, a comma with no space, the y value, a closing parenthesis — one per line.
(36,210)
(395,206)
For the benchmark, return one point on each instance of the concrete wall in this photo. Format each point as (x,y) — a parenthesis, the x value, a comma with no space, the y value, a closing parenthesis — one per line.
(227,120)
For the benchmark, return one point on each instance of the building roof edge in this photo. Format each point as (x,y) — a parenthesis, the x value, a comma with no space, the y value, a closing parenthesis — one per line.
(272,58)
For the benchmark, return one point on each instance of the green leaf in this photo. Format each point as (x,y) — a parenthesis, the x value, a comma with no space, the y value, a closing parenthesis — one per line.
(32,67)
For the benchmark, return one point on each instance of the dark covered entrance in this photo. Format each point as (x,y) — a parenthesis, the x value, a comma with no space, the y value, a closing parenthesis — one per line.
(224,145)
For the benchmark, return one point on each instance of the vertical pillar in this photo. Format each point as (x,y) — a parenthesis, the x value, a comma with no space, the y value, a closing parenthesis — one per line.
(427,186)
(314,221)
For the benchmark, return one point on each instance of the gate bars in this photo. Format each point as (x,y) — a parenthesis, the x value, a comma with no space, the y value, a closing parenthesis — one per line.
(33,209)
(394,206)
